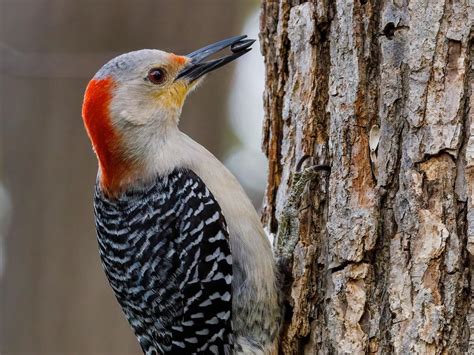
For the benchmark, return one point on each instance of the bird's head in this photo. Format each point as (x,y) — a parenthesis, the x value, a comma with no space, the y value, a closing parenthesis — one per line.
(135,100)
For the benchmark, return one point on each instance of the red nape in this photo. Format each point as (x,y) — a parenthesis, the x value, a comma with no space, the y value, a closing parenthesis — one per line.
(104,138)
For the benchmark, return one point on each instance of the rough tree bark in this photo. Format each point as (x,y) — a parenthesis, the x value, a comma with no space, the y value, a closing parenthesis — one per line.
(376,246)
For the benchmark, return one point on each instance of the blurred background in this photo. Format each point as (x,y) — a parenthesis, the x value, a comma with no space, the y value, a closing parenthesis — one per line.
(54,298)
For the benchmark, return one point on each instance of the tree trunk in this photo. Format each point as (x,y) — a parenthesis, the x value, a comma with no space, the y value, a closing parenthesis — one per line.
(370,139)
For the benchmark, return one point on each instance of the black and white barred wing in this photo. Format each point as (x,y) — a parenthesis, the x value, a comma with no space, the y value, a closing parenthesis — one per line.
(165,250)
(205,284)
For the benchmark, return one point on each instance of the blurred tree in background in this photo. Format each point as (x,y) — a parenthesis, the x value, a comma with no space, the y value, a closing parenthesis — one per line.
(54,297)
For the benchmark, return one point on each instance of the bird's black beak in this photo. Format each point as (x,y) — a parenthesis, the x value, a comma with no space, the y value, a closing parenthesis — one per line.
(196,67)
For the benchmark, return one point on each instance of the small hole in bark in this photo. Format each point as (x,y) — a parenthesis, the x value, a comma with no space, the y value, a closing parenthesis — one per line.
(389,30)
(306,339)
(287,311)
(323,32)
(363,2)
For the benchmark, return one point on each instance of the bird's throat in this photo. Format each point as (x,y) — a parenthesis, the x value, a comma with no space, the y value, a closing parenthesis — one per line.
(114,167)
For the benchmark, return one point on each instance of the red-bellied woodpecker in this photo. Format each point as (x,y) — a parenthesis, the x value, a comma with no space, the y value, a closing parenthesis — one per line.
(181,244)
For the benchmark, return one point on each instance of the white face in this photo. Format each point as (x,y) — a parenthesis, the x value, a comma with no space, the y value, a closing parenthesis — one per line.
(146,92)
(146,99)
(132,105)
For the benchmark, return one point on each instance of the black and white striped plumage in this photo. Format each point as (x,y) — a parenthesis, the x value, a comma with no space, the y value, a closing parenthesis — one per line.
(165,250)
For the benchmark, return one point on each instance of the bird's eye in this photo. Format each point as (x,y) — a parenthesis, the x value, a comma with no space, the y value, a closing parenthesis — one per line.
(156,75)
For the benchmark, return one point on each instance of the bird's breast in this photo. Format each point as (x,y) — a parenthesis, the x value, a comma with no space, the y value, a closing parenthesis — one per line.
(135,236)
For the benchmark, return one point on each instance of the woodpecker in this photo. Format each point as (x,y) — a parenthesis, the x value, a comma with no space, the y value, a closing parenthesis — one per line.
(180,242)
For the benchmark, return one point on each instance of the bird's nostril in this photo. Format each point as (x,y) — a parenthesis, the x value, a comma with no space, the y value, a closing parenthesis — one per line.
(179,59)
